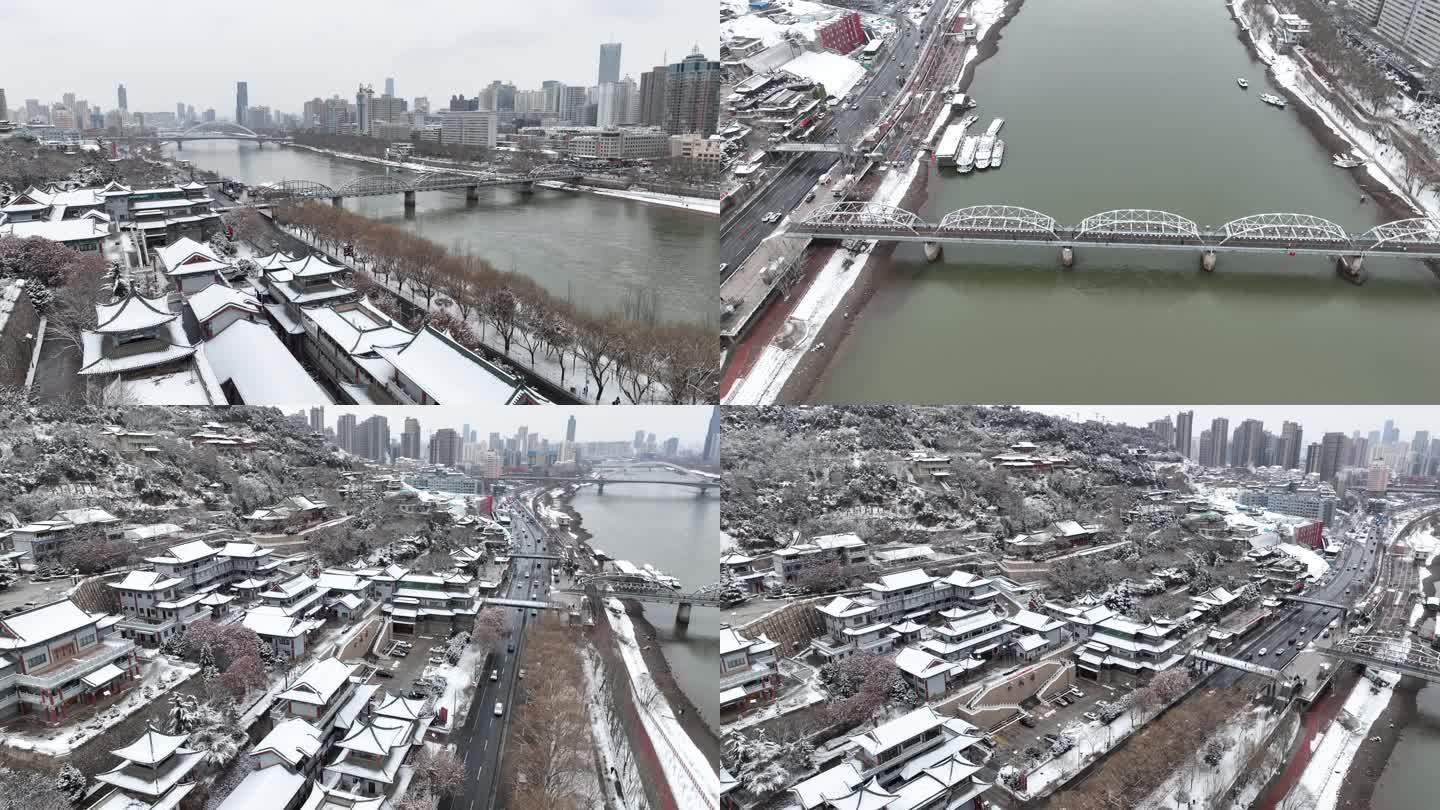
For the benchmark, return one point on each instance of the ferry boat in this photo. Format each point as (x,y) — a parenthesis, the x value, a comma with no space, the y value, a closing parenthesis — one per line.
(968,121)
(1244,85)
(1347,160)
(966,161)
(1273,100)
(982,154)
(994,128)
(997,153)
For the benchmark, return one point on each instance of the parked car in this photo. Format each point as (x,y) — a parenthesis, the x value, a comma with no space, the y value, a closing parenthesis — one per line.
(1091,716)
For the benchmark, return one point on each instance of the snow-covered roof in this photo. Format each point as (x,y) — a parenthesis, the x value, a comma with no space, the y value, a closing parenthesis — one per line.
(290,587)
(269,620)
(274,786)
(358,328)
(149,781)
(208,302)
(837,73)
(869,796)
(378,736)
(185,552)
(313,266)
(145,581)
(830,542)
(64,230)
(233,549)
(131,314)
(319,683)
(1035,622)
(249,356)
(186,251)
(905,727)
(43,623)
(401,708)
(151,747)
(340,580)
(912,578)
(173,345)
(843,606)
(291,740)
(920,664)
(449,373)
(323,798)
(836,781)
(1031,642)
(273,261)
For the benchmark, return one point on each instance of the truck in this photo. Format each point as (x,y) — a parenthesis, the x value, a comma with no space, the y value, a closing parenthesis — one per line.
(843,186)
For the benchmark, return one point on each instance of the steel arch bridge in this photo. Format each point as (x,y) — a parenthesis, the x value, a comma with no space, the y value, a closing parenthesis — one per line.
(1133,228)
(1002,218)
(864,214)
(224,129)
(1398,652)
(1136,223)
(1285,227)
(374,185)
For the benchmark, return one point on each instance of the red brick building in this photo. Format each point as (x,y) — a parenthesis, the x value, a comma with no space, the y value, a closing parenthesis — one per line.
(844,35)
(1311,534)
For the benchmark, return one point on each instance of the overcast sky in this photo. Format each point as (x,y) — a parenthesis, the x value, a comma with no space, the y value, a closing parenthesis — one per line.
(1315,420)
(166,51)
(592,423)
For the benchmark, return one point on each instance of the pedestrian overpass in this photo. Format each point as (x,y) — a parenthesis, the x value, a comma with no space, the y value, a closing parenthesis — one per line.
(1235,663)
(1309,600)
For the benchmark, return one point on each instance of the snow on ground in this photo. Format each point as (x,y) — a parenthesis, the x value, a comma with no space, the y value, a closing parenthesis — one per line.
(692,780)
(838,74)
(1312,559)
(804,19)
(603,736)
(775,364)
(1386,162)
(697,204)
(160,676)
(1326,769)
(1200,781)
(1091,740)
(460,682)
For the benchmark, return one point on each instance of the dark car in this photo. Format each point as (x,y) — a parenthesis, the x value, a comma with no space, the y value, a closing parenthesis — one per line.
(511,648)
(384,673)
(1027,721)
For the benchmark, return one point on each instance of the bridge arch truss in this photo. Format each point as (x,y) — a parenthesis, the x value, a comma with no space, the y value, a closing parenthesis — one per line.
(369,184)
(220,128)
(1419,231)
(1004,218)
(864,214)
(299,188)
(1394,648)
(1139,222)
(1285,227)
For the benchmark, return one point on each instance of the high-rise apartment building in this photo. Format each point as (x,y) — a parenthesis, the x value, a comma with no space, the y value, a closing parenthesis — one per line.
(1184,428)
(1412,25)
(445,447)
(410,438)
(120,96)
(1164,429)
(1419,449)
(345,432)
(1291,436)
(609,63)
(1219,442)
(615,104)
(692,95)
(317,419)
(469,128)
(570,429)
(364,109)
(571,101)
(4,110)
(1249,443)
(652,96)
(1332,456)
(389,86)
(242,102)
(1205,450)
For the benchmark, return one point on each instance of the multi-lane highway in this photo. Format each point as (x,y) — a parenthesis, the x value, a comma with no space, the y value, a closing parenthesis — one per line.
(1359,553)
(743,230)
(480,741)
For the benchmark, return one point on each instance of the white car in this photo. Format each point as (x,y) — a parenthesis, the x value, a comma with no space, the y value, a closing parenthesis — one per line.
(1264,650)
(499,709)
(494,674)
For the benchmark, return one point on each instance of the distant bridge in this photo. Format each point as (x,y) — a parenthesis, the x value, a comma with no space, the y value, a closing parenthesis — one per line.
(803,146)
(1400,652)
(210,131)
(703,486)
(1276,233)
(619,586)
(375,185)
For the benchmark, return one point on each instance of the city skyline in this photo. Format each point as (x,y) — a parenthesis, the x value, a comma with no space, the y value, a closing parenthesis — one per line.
(688,423)
(1316,420)
(473,47)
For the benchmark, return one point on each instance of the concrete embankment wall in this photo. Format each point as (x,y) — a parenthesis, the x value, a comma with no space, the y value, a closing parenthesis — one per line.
(640,779)
(793,627)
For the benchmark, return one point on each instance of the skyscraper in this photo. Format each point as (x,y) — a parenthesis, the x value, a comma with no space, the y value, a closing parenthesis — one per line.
(410,439)
(711,453)
(1332,455)
(364,109)
(389,85)
(1164,429)
(1249,443)
(4,110)
(242,102)
(1419,450)
(570,429)
(120,95)
(1184,427)
(317,419)
(609,62)
(1219,442)
(1392,434)
(1206,451)
(1312,458)
(374,437)
(445,447)
(1290,437)
(652,96)
(345,432)
(692,95)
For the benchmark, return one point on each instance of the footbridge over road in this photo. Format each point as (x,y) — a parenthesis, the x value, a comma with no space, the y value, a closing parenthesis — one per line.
(1131,228)
(604,586)
(376,185)
(1400,652)
(1308,600)
(523,604)
(1236,663)
(549,557)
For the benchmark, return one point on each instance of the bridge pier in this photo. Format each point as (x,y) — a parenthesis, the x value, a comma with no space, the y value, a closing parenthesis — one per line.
(179,145)
(1207,261)
(1351,268)
(335,201)
(472,194)
(682,613)
(933,251)
(409,201)
(600,488)
(702,492)
(527,187)
(1067,257)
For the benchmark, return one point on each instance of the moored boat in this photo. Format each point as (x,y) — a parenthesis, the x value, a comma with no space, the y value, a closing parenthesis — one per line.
(1243,84)
(982,152)
(997,153)
(994,128)
(966,161)
(1273,100)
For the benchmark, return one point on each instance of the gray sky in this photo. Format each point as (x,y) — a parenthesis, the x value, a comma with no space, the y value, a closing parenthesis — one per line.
(592,423)
(1315,420)
(166,51)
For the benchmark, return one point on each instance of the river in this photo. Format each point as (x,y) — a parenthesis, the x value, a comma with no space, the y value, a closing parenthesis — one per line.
(678,533)
(1110,105)
(581,247)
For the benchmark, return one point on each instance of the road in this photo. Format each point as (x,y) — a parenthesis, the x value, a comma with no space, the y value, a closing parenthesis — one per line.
(1312,617)
(743,230)
(481,740)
